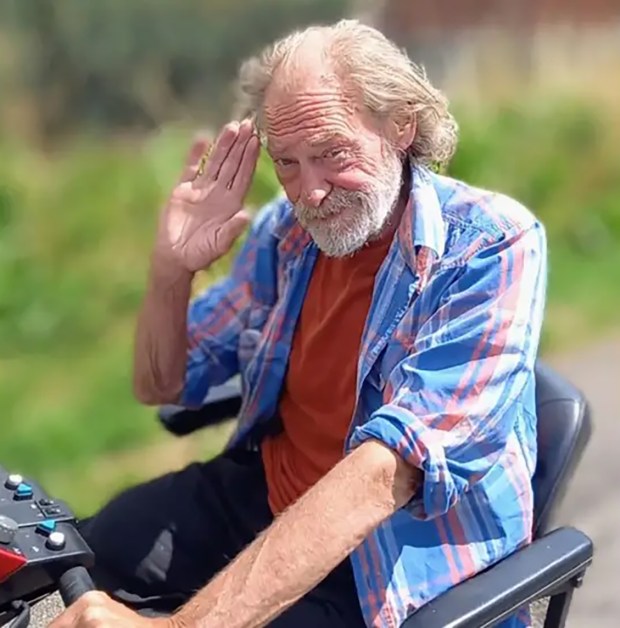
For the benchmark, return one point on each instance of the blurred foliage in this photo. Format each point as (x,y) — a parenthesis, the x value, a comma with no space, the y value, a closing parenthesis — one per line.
(76,65)
(76,233)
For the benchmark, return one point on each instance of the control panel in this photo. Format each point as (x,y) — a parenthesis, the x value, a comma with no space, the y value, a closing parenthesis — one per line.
(38,542)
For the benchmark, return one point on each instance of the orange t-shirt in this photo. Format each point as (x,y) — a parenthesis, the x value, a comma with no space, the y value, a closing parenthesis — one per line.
(318,397)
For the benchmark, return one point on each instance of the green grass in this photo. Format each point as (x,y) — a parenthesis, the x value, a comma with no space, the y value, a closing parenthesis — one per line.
(76,232)
(76,228)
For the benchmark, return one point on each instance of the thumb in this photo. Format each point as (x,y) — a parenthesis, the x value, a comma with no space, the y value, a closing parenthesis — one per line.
(233,228)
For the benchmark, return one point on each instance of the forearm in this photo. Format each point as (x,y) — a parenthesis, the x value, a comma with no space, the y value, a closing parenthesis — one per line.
(160,352)
(305,543)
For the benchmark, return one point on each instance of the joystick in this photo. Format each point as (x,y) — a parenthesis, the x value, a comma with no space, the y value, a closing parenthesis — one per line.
(39,542)
(55,541)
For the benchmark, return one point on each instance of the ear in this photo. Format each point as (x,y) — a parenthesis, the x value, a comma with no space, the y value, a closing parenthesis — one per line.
(404,133)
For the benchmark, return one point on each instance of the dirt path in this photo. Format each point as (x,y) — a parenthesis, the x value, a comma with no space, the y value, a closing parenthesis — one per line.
(593,501)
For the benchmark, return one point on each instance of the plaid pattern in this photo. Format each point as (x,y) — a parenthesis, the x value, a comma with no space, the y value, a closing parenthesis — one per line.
(445,375)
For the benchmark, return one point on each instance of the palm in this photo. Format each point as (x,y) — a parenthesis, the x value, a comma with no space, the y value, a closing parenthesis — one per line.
(204,215)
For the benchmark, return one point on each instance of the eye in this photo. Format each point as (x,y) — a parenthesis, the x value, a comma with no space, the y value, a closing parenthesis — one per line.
(335,153)
(283,162)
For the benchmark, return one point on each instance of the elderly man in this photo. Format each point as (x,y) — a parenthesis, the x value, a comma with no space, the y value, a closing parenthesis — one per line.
(385,322)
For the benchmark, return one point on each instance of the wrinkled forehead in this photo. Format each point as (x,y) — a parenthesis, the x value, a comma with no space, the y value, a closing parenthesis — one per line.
(309,110)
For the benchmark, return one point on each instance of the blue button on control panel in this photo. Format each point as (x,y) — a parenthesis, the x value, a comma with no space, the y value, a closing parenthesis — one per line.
(46,527)
(23,491)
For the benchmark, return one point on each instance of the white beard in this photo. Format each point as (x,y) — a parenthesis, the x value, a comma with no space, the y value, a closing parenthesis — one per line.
(368,212)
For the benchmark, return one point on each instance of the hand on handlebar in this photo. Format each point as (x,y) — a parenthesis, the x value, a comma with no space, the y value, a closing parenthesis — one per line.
(204,215)
(96,609)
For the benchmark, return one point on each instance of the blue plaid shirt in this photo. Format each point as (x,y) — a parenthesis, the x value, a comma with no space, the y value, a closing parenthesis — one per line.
(445,375)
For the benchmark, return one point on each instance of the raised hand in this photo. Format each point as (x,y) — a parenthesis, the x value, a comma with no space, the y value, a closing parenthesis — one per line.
(204,215)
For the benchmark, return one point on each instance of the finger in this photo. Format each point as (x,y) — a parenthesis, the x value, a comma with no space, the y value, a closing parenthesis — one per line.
(233,160)
(224,143)
(247,167)
(198,148)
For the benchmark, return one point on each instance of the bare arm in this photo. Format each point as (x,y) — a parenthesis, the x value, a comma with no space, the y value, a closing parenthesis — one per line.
(285,562)
(161,336)
(306,542)
(199,224)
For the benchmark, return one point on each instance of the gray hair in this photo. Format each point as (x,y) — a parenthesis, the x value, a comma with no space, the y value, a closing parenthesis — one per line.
(391,85)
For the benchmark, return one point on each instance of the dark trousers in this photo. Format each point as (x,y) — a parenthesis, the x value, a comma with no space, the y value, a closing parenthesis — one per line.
(159,542)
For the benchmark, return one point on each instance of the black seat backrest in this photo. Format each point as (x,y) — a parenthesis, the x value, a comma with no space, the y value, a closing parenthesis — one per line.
(564,428)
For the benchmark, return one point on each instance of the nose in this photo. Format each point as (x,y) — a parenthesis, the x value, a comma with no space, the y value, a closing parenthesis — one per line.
(314,188)
(315,197)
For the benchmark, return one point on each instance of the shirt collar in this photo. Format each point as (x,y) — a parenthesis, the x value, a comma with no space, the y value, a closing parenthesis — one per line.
(422,224)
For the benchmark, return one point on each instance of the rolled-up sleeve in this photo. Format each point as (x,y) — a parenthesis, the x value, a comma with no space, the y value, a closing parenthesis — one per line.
(218,315)
(448,403)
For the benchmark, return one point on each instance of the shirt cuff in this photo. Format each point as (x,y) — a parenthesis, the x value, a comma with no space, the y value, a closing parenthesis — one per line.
(420,447)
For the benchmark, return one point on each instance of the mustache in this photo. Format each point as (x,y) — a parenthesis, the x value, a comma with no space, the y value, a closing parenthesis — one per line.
(334,203)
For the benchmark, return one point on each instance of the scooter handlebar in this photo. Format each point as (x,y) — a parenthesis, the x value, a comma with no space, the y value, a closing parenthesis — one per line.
(73,584)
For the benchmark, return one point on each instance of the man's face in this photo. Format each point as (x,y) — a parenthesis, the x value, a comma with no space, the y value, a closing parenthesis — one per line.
(339,172)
